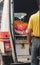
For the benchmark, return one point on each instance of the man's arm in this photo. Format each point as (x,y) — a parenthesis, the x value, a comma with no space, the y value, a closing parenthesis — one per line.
(29,36)
(29,39)
(29,33)
(30,29)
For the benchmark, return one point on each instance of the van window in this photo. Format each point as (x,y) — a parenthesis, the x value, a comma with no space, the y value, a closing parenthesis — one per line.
(1,9)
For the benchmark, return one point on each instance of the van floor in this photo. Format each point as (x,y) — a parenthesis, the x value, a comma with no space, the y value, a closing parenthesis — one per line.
(9,61)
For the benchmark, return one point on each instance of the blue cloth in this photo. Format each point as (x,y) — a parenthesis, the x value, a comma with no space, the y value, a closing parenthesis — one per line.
(35,51)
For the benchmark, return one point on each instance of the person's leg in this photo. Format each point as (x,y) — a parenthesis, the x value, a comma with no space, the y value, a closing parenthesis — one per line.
(34,53)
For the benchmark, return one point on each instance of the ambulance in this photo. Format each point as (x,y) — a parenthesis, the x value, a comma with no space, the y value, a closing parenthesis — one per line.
(11,52)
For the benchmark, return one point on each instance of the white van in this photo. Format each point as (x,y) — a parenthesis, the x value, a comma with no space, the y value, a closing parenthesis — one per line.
(6,46)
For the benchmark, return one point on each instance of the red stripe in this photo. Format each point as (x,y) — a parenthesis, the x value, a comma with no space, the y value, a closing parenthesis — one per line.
(4,35)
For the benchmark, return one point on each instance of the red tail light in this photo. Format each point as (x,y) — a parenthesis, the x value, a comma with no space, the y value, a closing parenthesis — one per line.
(7,46)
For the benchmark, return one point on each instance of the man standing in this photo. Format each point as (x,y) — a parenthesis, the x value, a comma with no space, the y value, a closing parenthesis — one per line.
(34,28)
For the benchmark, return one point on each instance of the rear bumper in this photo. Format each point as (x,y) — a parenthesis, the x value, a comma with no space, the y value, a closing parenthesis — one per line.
(20,64)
